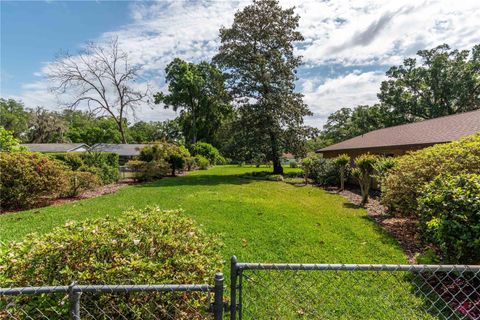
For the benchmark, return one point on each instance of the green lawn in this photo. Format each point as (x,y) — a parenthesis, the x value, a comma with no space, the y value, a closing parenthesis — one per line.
(259,221)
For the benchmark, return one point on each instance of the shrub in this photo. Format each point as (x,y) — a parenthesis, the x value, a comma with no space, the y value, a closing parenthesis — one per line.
(79,181)
(148,171)
(175,156)
(449,209)
(322,171)
(208,151)
(402,186)
(104,164)
(26,178)
(342,162)
(139,247)
(382,167)
(364,168)
(201,162)
(293,164)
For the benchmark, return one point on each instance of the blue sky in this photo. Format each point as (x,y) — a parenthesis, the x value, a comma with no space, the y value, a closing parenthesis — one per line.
(347,49)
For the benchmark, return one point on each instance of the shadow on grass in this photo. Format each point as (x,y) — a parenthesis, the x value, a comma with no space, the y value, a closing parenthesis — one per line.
(197,180)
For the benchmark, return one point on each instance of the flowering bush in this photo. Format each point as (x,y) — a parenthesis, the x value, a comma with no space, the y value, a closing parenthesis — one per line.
(27,178)
(449,209)
(146,246)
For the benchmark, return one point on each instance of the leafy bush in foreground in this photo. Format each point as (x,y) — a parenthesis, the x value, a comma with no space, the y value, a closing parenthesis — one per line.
(146,246)
(201,162)
(363,171)
(322,171)
(403,183)
(26,178)
(449,210)
(79,181)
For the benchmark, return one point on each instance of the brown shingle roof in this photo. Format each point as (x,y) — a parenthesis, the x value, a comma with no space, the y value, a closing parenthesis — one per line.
(438,130)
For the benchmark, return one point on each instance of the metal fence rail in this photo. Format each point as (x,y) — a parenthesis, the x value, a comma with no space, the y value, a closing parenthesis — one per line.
(165,301)
(354,291)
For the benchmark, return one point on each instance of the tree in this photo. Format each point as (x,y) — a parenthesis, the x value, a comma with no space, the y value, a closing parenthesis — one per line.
(46,127)
(14,117)
(168,130)
(8,143)
(198,91)
(444,82)
(364,168)
(87,128)
(257,55)
(342,162)
(101,78)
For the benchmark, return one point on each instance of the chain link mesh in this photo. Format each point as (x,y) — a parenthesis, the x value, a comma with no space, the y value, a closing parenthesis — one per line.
(358,292)
(108,302)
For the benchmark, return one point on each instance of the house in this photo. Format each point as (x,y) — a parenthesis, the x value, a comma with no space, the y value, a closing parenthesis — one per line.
(124,151)
(398,140)
(56,147)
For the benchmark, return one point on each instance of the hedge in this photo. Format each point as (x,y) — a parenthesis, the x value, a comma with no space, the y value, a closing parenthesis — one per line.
(103,164)
(403,183)
(146,246)
(449,210)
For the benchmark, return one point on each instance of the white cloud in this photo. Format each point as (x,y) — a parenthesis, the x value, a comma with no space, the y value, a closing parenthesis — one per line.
(356,33)
(345,91)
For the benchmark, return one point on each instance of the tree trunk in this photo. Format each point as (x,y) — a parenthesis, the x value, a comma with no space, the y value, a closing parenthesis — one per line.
(122,132)
(342,179)
(277,165)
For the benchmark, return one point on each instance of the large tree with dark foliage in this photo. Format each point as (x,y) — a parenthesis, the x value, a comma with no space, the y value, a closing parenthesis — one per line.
(198,91)
(443,82)
(257,54)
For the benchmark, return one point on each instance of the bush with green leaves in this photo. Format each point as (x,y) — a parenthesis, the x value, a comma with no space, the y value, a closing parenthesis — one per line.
(104,164)
(146,246)
(293,164)
(201,162)
(208,151)
(79,181)
(449,211)
(176,156)
(144,171)
(322,171)
(27,179)
(363,172)
(403,183)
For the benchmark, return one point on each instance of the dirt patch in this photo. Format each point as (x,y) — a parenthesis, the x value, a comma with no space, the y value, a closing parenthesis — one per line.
(402,229)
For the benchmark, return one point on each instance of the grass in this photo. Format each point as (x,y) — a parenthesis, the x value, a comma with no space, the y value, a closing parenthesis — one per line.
(259,221)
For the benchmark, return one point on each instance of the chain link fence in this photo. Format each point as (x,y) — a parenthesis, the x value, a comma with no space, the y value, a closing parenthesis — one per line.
(334,291)
(114,301)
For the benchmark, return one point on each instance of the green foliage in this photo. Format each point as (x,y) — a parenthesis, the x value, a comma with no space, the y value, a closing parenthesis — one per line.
(8,143)
(104,164)
(148,170)
(142,247)
(28,178)
(145,132)
(86,128)
(322,171)
(261,64)
(449,210)
(46,127)
(363,171)
(208,151)
(402,185)
(79,181)
(382,167)
(201,162)
(342,162)
(293,164)
(176,156)
(14,117)
(198,91)
(444,82)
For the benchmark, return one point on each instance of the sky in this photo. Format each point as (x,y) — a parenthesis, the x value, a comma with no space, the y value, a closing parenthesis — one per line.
(348,47)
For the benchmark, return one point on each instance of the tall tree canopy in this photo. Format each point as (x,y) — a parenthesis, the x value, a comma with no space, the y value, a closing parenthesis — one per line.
(443,82)
(101,78)
(198,91)
(14,117)
(257,54)
(168,130)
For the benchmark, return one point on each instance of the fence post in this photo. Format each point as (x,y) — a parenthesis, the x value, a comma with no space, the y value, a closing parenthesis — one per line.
(233,288)
(74,298)
(218,297)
